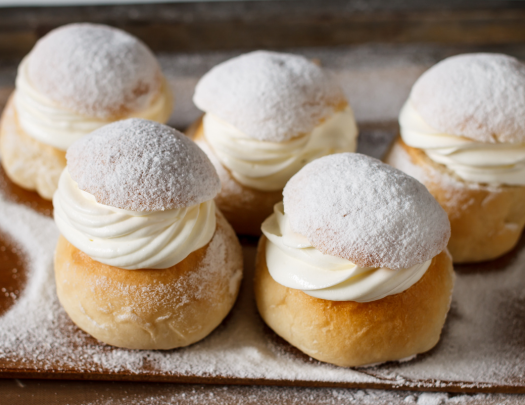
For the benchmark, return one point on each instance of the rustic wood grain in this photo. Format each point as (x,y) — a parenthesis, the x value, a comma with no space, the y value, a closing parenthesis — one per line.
(37,392)
(278,24)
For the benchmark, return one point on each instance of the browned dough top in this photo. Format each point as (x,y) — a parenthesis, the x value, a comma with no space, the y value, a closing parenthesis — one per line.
(141,165)
(355,207)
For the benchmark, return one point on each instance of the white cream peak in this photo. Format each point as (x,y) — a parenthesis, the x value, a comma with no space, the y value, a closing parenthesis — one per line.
(491,163)
(128,239)
(267,166)
(293,262)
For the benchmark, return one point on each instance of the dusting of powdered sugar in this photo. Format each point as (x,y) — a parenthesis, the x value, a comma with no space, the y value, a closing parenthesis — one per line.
(269,96)
(479,95)
(36,332)
(142,165)
(94,70)
(481,346)
(356,207)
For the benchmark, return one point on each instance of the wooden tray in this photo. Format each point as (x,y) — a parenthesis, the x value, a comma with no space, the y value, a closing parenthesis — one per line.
(481,349)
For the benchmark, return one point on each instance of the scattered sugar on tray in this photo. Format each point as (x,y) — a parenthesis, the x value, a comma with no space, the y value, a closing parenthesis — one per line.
(482,340)
(48,340)
(95,70)
(481,345)
(489,367)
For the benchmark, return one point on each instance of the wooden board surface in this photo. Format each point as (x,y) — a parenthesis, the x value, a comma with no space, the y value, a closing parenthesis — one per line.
(54,392)
(464,25)
(453,366)
(278,24)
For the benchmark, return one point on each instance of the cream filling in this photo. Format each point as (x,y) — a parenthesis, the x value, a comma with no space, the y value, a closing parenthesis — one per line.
(49,123)
(128,239)
(293,262)
(492,163)
(268,166)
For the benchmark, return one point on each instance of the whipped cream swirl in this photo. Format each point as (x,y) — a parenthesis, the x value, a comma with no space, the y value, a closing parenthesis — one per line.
(268,166)
(128,239)
(491,163)
(49,123)
(293,262)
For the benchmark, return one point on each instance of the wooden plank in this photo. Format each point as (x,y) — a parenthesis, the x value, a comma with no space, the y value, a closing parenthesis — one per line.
(25,392)
(241,25)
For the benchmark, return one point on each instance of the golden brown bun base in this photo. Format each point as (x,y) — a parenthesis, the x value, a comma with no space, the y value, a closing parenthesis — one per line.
(245,208)
(350,334)
(28,163)
(151,309)
(486,221)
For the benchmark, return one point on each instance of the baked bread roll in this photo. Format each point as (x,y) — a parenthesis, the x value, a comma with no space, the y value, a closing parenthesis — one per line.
(267,114)
(145,260)
(76,79)
(463,136)
(353,268)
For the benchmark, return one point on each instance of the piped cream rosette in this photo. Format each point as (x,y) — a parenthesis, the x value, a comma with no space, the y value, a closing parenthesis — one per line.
(293,262)
(129,239)
(492,163)
(268,166)
(50,123)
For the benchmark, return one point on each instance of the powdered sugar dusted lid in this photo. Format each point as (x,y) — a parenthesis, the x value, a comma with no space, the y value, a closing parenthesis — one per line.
(94,70)
(480,96)
(142,165)
(355,207)
(269,96)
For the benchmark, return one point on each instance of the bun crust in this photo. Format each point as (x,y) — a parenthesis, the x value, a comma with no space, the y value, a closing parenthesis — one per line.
(245,208)
(95,70)
(357,208)
(269,96)
(480,96)
(142,165)
(151,309)
(351,334)
(486,221)
(28,163)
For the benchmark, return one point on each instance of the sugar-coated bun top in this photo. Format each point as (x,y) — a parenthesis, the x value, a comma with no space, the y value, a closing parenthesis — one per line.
(95,70)
(480,96)
(355,207)
(269,96)
(142,165)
